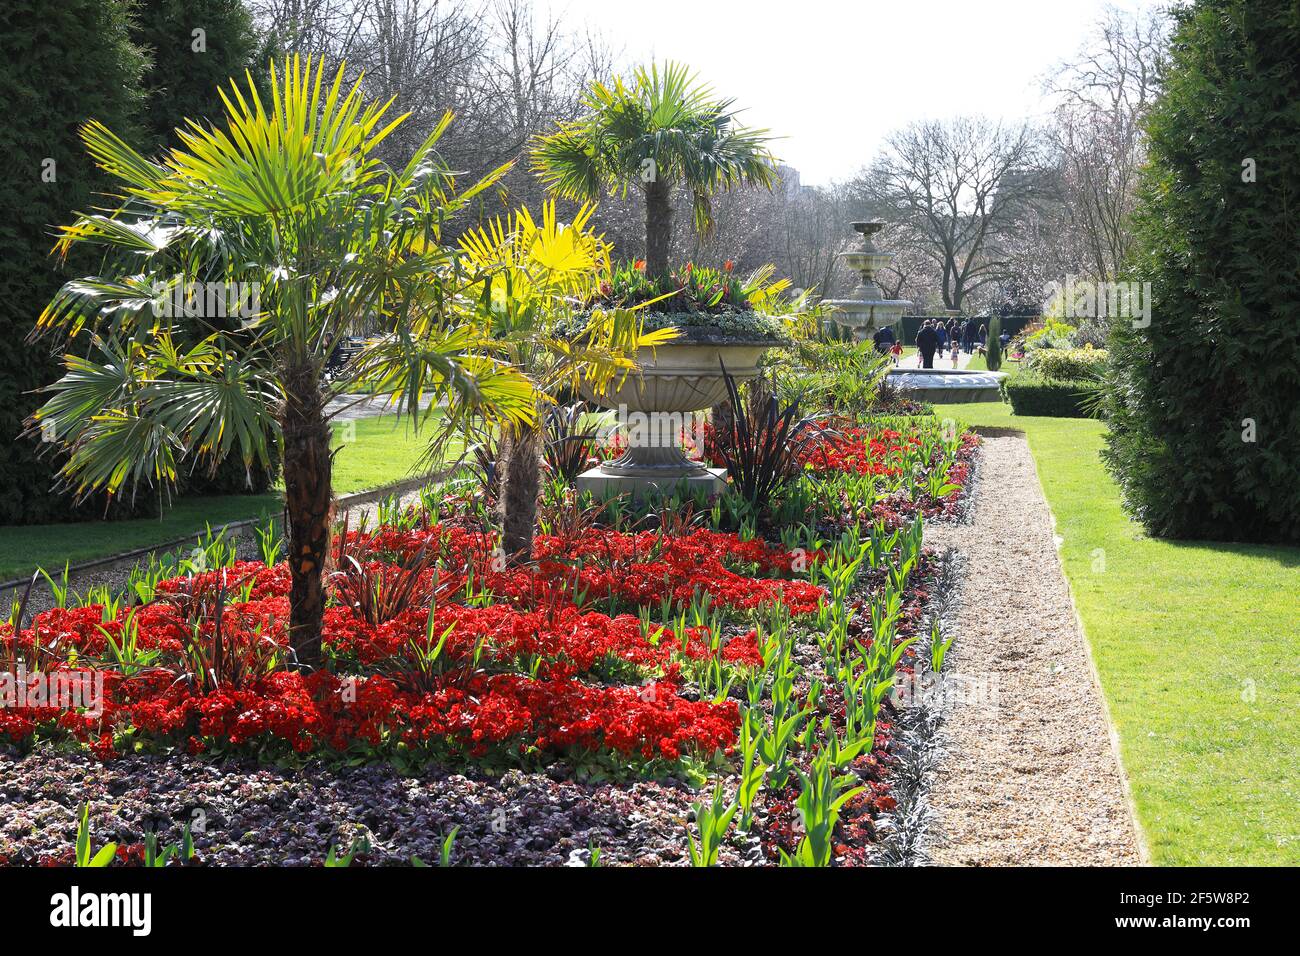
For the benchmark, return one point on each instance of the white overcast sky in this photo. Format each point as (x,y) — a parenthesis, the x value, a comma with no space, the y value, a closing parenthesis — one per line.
(833,78)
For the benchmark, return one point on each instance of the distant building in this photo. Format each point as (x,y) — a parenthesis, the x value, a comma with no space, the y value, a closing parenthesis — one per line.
(790,180)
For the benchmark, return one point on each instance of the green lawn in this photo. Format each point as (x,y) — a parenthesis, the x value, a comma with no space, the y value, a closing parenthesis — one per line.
(979,364)
(1196,644)
(382,451)
(385,450)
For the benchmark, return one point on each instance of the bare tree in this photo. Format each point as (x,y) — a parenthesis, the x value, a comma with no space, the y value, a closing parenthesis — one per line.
(1101,99)
(504,71)
(812,229)
(958,187)
(533,75)
(913,273)
(421,53)
(320,27)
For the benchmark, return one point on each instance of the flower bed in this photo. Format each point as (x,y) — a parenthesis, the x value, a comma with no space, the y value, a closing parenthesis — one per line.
(911,467)
(926,480)
(686,651)
(517,676)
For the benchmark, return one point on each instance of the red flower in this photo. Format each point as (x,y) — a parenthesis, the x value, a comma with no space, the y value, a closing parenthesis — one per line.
(532,670)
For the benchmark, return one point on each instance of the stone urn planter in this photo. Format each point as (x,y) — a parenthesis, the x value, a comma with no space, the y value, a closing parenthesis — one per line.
(656,403)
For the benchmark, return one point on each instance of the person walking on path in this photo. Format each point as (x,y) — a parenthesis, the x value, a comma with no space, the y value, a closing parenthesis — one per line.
(927,341)
(942,331)
(884,339)
(968,335)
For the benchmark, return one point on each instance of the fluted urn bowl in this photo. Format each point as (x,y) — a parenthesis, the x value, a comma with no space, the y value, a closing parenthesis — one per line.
(853,314)
(655,402)
(864,316)
(869,262)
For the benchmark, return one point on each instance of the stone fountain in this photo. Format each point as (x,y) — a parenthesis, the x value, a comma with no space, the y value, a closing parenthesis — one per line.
(868,310)
(655,405)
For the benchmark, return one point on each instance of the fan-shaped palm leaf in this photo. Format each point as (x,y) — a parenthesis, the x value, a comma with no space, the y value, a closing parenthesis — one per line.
(286,204)
(660,128)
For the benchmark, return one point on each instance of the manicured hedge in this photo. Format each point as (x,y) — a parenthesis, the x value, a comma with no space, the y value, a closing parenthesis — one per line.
(1203,413)
(1068,364)
(1030,394)
(64,63)
(186,69)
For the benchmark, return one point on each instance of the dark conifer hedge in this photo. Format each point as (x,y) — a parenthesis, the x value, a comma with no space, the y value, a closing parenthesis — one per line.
(63,63)
(1204,409)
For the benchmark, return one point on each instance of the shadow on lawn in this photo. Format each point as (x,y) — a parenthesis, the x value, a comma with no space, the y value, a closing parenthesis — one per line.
(1287,556)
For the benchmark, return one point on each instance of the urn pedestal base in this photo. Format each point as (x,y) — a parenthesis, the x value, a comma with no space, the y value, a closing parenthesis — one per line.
(602,484)
(656,406)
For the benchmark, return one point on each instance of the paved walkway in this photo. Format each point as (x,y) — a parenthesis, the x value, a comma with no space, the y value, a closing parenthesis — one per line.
(1028,773)
(940,361)
(360,406)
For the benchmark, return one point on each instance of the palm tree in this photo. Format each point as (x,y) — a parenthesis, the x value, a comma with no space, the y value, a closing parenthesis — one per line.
(664,128)
(539,271)
(289,213)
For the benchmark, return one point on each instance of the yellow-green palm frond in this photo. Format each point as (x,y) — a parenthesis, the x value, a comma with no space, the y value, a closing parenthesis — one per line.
(427,359)
(533,263)
(116,448)
(313,138)
(287,201)
(664,116)
(131,412)
(132,301)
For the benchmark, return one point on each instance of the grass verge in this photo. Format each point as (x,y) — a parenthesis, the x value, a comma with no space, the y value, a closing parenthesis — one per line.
(378,451)
(1195,643)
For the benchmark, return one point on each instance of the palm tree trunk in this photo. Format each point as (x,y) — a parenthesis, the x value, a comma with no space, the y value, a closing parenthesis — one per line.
(658,227)
(521,462)
(308,502)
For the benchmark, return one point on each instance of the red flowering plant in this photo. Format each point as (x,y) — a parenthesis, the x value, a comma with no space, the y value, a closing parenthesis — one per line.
(614,649)
(645,651)
(426,663)
(860,450)
(907,466)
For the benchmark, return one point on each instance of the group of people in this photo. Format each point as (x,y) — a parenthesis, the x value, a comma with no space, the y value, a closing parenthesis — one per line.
(937,338)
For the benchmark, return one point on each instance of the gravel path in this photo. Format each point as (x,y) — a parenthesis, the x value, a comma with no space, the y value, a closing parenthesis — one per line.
(1029,775)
